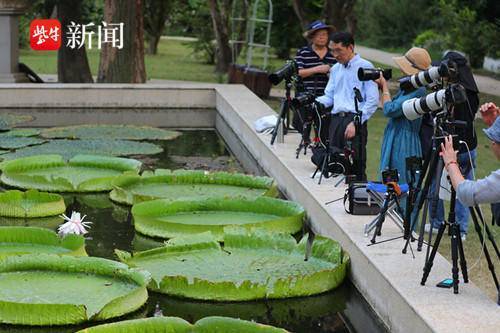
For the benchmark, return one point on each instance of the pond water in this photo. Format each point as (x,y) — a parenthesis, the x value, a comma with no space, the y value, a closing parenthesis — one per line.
(341,310)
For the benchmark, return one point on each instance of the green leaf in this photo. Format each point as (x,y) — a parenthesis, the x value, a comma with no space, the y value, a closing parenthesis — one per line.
(149,325)
(70,148)
(9,120)
(178,325)
(31,203)
(164,184)
(20,132)
(59,290)
(232,325)
(12,142)
(167,219)
(83,173)
(250,266)
(29,240)
(51,222)
(125,132)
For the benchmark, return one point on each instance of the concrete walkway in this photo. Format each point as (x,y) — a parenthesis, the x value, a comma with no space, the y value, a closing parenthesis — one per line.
(486,84)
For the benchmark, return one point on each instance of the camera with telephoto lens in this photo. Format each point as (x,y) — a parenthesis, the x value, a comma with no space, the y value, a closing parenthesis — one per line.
(447,69)
(304,99)
(417,107)
(286,72)
(367,74)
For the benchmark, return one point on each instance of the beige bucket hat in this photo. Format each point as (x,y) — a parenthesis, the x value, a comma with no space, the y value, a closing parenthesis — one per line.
(415,60)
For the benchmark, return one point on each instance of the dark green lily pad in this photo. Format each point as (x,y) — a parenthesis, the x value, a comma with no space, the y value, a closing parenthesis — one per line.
(124,132)
(13,142)
(21,132)
(71,148)
(7,121)
(248,267)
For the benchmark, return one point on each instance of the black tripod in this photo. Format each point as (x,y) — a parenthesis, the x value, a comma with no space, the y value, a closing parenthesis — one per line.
(284,111)
(391,196)
(457,249)
(313,120)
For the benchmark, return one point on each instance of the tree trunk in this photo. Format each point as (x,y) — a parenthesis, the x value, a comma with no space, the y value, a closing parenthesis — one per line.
(156,13)
(125,65)
(72,64)
(153,44)
(220,23)
(298,8)
(241,29)
(340,13)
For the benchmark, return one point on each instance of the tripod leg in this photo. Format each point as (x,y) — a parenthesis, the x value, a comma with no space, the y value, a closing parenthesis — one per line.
(461,257)
(425,211)
(326,159)
(381,219)
(455,235)
(430,262)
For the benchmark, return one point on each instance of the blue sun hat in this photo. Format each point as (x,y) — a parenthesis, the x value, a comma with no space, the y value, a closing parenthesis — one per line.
(493,132)
(315,26)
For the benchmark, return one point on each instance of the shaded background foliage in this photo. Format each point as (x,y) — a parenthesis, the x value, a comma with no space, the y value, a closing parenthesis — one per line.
(472,27)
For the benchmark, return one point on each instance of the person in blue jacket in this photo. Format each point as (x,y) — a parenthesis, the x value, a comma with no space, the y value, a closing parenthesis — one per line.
(401,136)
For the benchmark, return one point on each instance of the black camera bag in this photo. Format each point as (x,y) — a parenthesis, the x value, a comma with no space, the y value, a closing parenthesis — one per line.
(359,200)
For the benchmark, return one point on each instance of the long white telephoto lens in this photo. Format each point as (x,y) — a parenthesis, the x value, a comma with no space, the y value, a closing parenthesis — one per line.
(425,78)
(416,107)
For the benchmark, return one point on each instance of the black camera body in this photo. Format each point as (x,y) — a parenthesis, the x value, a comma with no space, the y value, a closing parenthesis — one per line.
(289,70)
(367,74)
(302,100)
(338,163)
(390,176)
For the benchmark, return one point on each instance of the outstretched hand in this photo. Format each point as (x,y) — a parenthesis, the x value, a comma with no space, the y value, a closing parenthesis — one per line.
(448,153)
(489,112)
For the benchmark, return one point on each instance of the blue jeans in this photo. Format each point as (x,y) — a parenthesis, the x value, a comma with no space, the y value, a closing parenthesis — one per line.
(461,211)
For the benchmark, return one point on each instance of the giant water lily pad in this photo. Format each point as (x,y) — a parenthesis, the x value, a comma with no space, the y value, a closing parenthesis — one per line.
(164,184)
(82,173)
(58,290)
(167,219)
(31,203)
(125,132)
(179,325)
(28,240)
(20,132)
(9,120)
(71,148)
(248,267)
(49,222)
(14,142)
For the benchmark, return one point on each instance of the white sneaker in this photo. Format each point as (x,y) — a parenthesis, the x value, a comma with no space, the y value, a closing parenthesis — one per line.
(464,237)
(427,227)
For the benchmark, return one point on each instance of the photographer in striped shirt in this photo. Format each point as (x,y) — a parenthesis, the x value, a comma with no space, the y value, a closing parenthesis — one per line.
(314,62)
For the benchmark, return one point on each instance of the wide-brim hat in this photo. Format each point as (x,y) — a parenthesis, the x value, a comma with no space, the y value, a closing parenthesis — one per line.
(315,26)
(415,60)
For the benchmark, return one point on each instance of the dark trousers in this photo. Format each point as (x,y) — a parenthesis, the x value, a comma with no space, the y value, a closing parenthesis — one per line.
(338,125)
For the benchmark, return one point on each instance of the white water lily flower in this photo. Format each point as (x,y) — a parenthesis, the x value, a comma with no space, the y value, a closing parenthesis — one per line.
(73,224)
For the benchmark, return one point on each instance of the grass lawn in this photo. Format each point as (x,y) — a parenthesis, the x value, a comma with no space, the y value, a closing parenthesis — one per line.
(175,61)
